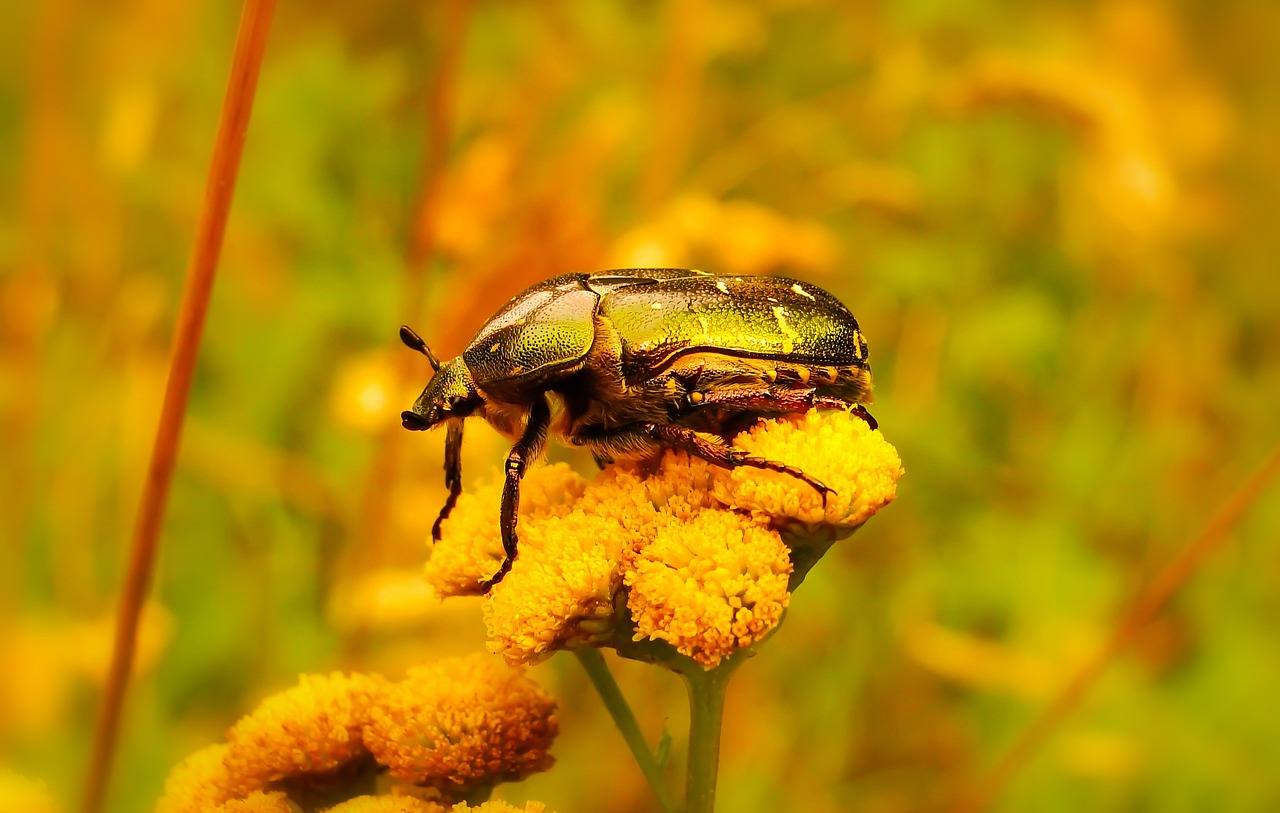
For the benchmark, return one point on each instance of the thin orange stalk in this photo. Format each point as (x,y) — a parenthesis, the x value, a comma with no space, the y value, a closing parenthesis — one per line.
(1149,604)
(251,41)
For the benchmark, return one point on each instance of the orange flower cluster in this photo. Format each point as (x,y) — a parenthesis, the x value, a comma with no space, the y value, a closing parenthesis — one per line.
(453,726)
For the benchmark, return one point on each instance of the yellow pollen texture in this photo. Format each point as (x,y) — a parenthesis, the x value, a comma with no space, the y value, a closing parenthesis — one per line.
(388,804)
(462,723)
(312,728)
(256,802)
(709,586)
(470,547)
(837,448)
(200,782)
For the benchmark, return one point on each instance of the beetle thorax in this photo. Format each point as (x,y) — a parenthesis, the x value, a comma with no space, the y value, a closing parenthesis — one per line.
(450,394)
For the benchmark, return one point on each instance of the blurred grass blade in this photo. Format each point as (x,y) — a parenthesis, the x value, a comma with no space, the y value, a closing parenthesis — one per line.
(251,40)
(1149,604)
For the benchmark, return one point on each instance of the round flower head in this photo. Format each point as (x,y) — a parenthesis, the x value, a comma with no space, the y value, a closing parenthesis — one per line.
(560,592)
(200,782)
(470,546)
(388,804)
(709,586)
(837,448)
(307,731)
(463,723)
(256,802)
(17,793)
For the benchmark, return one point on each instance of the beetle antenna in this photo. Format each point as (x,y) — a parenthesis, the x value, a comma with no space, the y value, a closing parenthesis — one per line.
(414,342)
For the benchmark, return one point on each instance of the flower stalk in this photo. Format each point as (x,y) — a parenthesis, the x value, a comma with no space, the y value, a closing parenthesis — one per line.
(706,718)
(614,701)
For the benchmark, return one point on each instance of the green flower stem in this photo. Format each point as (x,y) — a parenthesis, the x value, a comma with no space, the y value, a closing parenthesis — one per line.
(706,714)
(593,662)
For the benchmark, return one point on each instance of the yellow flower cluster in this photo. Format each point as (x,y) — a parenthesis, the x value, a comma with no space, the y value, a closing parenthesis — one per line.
(408,804)
(453,726)
(461,723)
(388,804)
(678,550)
(709,586)
(309,730)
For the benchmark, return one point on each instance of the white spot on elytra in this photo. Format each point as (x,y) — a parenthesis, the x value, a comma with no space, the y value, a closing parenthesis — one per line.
(792,338)
(801,291)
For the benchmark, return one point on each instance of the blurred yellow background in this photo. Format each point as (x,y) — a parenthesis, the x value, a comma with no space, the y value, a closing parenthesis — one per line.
(1056,222)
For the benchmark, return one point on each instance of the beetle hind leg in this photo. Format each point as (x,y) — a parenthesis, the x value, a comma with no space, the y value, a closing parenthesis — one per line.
(717,450)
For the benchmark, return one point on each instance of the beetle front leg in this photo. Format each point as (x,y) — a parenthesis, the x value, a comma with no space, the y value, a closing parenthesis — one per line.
(524,452)
(452,474)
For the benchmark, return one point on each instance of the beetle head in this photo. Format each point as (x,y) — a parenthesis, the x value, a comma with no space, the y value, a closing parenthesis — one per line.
(450,394)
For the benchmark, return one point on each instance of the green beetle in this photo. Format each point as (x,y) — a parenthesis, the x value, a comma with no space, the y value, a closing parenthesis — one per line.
(632,361)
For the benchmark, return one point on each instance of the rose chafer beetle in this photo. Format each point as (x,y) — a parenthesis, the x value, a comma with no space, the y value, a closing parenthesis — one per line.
(632,361)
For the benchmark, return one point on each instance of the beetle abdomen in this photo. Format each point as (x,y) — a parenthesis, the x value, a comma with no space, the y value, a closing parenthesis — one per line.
(756,317)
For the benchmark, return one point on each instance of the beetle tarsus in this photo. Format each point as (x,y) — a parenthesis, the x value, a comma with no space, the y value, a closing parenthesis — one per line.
(488,584)
(862,413)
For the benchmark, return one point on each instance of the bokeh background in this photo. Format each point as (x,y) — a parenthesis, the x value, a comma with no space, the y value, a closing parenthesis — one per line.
(1056,222)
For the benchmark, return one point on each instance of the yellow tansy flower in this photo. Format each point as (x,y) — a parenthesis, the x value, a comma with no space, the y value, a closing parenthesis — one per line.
(496,806)
(709,586)
(560,592)
(201,782)
(461,723)
(308,730)
(388,804)
(22,795)
(837,448)
(690,542)
(256,802)
(470,547)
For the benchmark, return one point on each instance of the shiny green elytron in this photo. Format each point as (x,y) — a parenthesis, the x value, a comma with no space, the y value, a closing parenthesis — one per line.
(633,361)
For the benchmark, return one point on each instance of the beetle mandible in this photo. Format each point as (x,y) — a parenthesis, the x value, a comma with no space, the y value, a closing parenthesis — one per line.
(632,361)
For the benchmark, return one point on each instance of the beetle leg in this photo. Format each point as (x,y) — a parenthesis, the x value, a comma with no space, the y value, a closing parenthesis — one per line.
(452,473)
(525,451)
(858,410)
(717,450)
(782,400)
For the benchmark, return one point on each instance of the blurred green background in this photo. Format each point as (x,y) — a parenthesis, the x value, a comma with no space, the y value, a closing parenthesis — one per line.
(1056,222)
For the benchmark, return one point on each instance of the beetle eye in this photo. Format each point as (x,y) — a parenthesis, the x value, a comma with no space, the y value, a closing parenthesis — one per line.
(460,405)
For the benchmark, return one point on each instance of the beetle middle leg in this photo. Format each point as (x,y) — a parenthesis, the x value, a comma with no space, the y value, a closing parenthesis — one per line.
(523,453)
